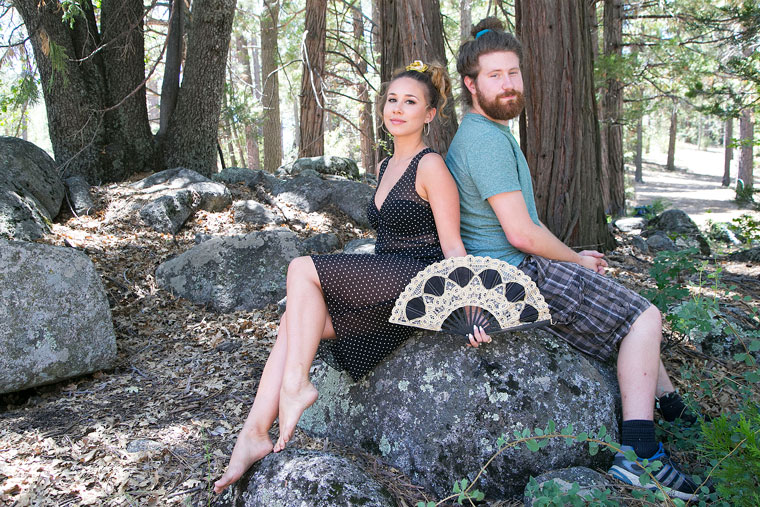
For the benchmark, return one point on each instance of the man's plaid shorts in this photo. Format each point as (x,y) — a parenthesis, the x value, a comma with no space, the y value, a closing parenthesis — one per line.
(590,311)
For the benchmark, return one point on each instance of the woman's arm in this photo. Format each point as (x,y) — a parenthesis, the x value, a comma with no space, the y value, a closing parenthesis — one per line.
(435,185)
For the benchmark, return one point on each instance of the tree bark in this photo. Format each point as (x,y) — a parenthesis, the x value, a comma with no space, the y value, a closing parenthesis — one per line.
(312,129)
(465,19)
(728,152)
(413,30)
(366,126)
(561,129)
(744,183)
(638,161)
(172,65)
(271,95)
(671,163)
(193,129)
(613,112)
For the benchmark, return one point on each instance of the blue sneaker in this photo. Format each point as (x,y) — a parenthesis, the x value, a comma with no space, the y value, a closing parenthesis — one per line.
(673,481)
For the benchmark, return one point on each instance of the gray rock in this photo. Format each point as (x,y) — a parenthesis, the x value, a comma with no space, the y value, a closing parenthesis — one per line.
(322,243)
(563,479)
(55,318)
(233,273)
(143,445)
(676,222)
(435,409)
(305,193)
(169,212)
(360,246)
(234,175)
(640,244)
(179,177)
(750,255)
(352,198)
(659,241)
(302,478)
(253,212)
(31,191)
(214,196)
(630,224)
(78,193)
(339,166)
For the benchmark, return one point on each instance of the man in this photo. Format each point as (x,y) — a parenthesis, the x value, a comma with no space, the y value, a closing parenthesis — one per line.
(499,219)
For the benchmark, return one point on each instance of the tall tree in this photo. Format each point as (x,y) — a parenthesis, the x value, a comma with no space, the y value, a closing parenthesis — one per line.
(366,125)
(312,129)
(251,138)
(613,165)
(270,97)
(670,165)
(744,183)
(193,131)
(728,151)
(561,132)
(172,65)
(413,30)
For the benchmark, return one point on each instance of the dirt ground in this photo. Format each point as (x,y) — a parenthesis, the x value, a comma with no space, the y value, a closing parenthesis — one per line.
(158,428)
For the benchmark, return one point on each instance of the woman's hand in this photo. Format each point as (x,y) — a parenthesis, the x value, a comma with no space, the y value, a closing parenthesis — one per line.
(478,336)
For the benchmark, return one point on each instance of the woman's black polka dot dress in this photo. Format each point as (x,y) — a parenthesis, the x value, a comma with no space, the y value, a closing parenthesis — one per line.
(360,290)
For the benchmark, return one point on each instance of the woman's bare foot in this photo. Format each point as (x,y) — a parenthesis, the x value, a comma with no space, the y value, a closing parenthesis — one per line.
(249,448)
(293,402)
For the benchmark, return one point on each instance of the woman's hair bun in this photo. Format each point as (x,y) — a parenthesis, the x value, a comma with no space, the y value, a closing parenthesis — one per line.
(489,23)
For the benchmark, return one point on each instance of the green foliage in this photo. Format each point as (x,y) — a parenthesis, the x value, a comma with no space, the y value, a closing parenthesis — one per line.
(669,271)
(746,228)
(58,59)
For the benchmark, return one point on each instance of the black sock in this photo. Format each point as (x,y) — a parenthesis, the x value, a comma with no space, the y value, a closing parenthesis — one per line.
(639,434)
(672,408)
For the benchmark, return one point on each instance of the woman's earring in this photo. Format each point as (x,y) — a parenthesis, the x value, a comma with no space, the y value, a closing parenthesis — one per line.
(426,129)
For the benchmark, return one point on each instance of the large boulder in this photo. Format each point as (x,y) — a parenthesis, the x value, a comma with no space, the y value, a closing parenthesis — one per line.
(55,318)
(253,212)
(587,481)
(306,193)
(302,478)
(250,177)
(31,191)
(435,409)
(167,199)
(678,224)
(749,255)
(233,273)
(352,198)
(326,164)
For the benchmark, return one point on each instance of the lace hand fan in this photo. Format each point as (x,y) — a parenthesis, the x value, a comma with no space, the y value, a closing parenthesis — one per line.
(457,293)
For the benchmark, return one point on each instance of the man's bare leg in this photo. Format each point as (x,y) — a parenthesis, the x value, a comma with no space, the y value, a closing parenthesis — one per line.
(664,385)
(307,319)
(639,365)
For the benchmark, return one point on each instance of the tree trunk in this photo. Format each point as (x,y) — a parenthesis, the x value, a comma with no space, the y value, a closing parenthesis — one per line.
(193,129)
(671,164)
(251,142)
(744,184)
(728,152)
(613,112)
(561,128)
(312,128)
(271,86)
(172,65)
(413,30)
(366,125)
(465,20)
(639,177)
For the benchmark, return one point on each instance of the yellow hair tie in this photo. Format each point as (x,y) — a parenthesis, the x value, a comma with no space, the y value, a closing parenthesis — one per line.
(418,66)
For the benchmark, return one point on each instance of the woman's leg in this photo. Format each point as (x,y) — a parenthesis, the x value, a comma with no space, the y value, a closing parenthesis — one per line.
(308,321)
(253,442)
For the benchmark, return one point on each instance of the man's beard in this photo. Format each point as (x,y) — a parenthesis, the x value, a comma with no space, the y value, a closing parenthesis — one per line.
(498,110)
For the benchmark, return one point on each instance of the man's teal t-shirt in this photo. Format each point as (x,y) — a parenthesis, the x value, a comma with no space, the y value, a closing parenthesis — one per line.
(486,160)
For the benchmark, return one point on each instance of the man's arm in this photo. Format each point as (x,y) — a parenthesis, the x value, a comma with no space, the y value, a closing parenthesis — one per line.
(528,237)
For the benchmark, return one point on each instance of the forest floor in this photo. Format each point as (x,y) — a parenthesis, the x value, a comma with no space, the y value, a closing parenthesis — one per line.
(158,427)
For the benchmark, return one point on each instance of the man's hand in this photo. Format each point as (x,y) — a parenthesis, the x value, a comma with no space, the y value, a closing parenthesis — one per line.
(592,260)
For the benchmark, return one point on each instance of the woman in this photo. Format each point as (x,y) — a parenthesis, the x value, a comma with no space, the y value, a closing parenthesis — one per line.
(347,299)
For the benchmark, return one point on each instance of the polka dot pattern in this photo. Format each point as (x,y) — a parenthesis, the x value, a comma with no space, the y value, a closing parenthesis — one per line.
(360,290)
